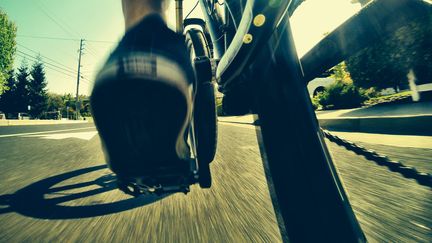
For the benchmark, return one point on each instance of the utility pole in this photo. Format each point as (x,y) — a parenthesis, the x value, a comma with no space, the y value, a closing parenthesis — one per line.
(179,16)
(77,105)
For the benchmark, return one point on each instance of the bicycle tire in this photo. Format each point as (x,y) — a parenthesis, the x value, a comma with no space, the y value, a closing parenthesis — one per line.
(205,116)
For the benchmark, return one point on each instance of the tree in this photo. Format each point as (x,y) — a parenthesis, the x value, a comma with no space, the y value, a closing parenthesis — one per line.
(85,109)
(38,97)
(386,63)
(420,34)
(69,105)
(377,66)
(7,48)
(22,88)
(55,102)
(8,101)
(341,74)
(66,104)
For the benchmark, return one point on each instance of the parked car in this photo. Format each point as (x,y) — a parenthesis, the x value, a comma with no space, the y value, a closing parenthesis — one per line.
(2,116)
(320,83)
(23,116)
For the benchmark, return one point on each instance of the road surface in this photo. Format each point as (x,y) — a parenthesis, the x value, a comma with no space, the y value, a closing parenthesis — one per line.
(54,187)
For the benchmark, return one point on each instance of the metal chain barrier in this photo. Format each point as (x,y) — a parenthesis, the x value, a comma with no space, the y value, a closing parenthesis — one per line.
(422,178)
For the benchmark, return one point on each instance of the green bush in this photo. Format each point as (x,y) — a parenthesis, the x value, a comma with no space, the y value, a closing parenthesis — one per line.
(315,102)
(219,109)
(371,93)
(341,95)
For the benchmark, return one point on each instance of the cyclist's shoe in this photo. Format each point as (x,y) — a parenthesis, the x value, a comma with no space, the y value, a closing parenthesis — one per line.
(142,102)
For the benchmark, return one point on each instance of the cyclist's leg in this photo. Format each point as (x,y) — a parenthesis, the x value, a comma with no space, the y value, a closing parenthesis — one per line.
(142,98)
(136,10)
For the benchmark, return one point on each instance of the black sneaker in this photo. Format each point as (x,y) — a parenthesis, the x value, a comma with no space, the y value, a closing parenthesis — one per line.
(142,101)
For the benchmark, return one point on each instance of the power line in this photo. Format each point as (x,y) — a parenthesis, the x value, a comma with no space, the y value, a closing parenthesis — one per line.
(47,63)
(94,52)
(63,23)
(65,53)
(48,67)
(67,69)
(48,38)
(86,81)
(97,52)
(45,57)
(23,54)
(53,19)
(91,52)
(63,38)
(103,46)
(93,49)
(53,66)
(102,41)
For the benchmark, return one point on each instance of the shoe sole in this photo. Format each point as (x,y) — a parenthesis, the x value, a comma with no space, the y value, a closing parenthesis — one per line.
(142,116)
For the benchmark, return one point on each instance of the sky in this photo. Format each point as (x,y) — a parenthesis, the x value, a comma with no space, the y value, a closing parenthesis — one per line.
(53,29)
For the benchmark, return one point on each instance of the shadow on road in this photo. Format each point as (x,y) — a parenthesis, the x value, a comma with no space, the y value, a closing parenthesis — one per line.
(30,201)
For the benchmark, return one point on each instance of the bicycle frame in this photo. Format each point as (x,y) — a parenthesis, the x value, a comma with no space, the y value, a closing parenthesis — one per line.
(264,36)
(309,200)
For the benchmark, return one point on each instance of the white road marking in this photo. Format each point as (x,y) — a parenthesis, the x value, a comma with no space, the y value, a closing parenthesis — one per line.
(58,136)
(45,132)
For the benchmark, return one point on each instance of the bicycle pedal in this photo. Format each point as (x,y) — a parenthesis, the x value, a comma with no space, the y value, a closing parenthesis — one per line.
(161,181)
(136,190)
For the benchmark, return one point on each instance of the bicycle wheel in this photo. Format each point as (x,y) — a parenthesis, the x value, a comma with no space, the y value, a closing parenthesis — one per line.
(205,117)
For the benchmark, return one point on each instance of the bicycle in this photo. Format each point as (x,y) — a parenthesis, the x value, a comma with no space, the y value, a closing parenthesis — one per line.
(256,66)
(247,48)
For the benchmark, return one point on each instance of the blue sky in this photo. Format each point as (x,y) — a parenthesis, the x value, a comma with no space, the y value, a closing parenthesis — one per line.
(100,22)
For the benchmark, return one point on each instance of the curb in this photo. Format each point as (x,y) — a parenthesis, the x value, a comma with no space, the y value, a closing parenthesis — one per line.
(402,125)
(399,125)
(36,122)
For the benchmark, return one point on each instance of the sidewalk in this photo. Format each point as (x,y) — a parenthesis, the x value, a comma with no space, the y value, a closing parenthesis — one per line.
(403,119)
(391,110)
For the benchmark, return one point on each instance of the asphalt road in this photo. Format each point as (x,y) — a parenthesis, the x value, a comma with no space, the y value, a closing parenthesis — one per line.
(54,187)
